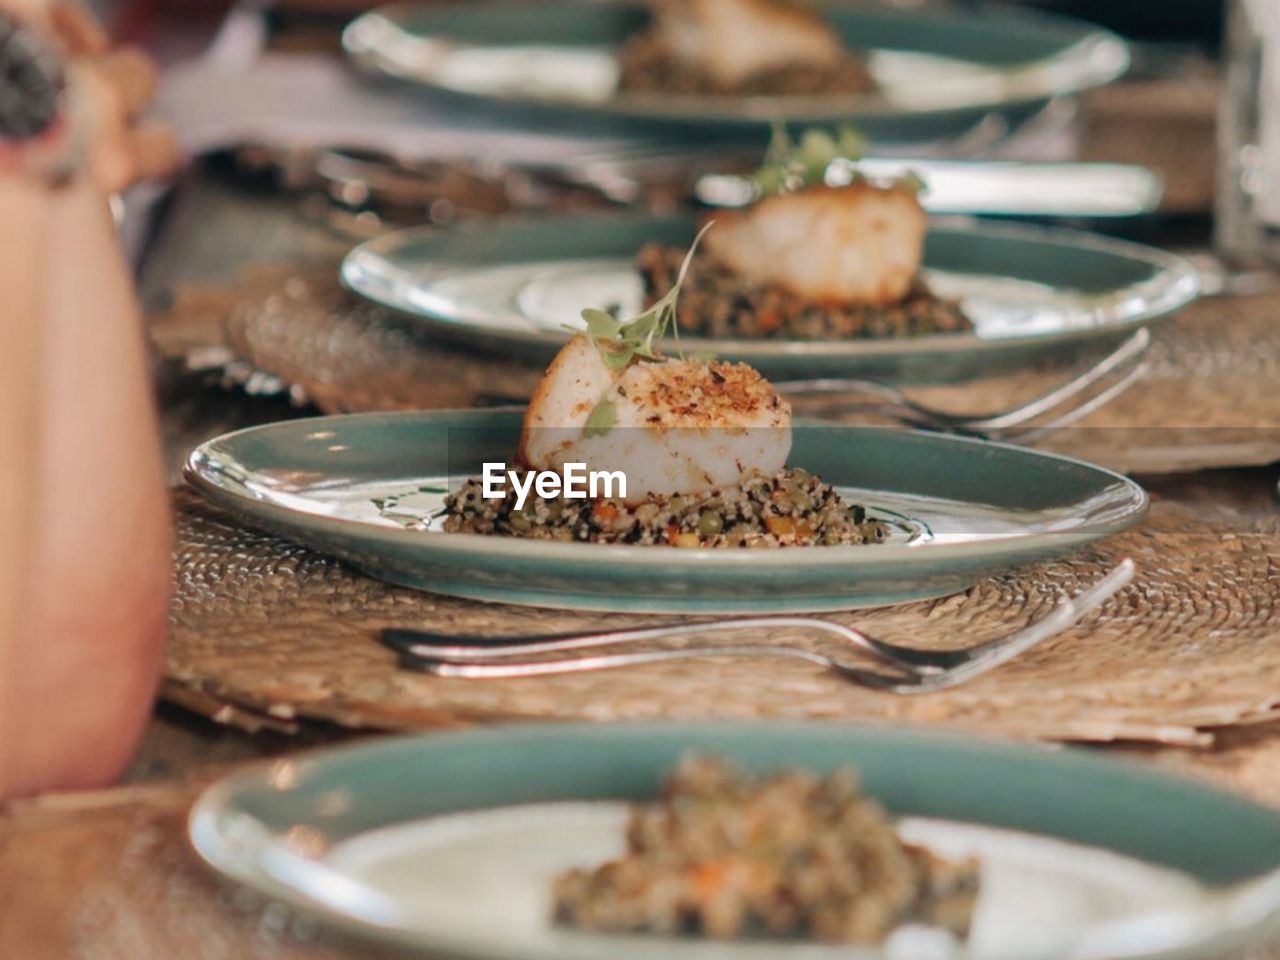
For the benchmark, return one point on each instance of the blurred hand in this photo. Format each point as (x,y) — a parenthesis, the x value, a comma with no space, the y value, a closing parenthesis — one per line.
(114,88)
(108,90)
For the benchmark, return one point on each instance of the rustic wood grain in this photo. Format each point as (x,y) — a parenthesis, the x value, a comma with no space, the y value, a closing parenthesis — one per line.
(109,876)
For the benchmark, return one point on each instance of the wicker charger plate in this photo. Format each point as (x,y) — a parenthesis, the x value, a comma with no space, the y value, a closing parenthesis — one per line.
(264,628)
(1209,401)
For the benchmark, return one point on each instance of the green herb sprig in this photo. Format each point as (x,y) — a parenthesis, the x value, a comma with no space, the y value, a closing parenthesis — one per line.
(791,165)
(601,419)
(621,342)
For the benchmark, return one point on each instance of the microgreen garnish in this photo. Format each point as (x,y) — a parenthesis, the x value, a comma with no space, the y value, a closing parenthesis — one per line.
(622,341)
(790,165)
(601,325)
(912,181)
(601,419)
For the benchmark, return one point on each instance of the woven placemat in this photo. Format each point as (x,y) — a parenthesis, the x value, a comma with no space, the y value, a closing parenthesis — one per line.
(266,628)
(332,348)
(1210,400)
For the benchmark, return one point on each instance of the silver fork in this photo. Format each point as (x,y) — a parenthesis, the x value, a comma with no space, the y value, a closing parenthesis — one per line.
(1073,400)
(1120,370)
(914,670)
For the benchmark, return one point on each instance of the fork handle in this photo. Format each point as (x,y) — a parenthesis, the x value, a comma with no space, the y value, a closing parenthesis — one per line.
(434,647)
(479,670)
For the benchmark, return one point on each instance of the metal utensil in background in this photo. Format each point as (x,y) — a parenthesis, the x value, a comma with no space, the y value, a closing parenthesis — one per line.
(914,670)
(358,193)
(1067,403)
(380,190)
(1003,188)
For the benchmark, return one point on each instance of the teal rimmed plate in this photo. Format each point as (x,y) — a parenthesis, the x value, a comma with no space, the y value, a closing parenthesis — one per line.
(363,488)
(1032,292)
(936,71)
(447,843)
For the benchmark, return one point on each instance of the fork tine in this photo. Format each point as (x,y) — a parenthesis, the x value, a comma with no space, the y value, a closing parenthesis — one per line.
(1070,416)
(1068,613)
(915,673)
(889,401)
(1130,350)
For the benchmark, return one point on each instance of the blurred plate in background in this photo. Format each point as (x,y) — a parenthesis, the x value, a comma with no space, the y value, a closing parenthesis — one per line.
(1029,291)
(448,843)
(948,67)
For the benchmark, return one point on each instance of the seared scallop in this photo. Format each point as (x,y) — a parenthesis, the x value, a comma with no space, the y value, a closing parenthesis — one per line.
(672,426)
(731,40)
(856,244)
(570,388)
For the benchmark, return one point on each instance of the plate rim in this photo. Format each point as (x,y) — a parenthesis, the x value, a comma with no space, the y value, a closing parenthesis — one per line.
(1094,58)
(1248,912)
(1179,285)
(515,548)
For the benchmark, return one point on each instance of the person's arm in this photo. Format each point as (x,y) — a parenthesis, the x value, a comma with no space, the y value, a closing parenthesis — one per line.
(23,230)
(90,646)
(83,662)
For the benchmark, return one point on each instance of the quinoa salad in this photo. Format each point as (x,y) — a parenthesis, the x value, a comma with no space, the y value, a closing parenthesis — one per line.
(789,855)
(790,508)
(646,65)
(716,302)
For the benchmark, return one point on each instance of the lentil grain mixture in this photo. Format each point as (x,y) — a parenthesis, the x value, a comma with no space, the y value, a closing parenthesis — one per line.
(787,855)
(792,508)
(716,302)
(647,66)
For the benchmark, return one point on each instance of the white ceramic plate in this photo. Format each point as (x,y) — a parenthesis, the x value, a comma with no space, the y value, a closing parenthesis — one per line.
(561,56)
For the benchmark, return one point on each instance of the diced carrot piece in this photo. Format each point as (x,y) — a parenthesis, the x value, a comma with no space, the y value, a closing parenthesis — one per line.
(769,320)
(780,526)
(708,878)
(603,512)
